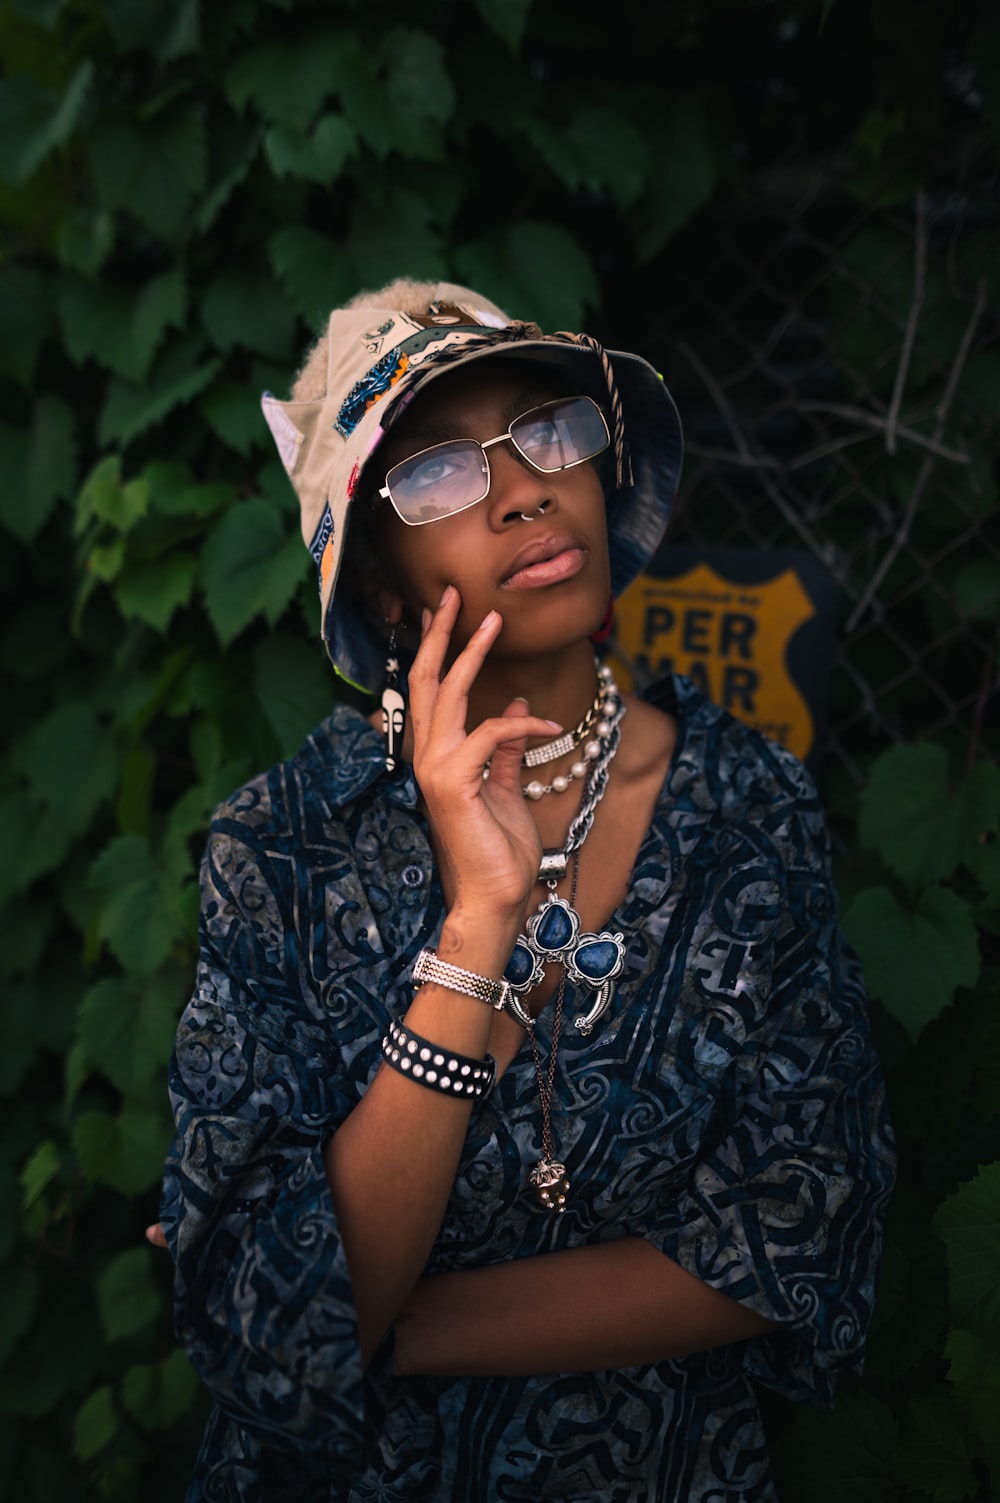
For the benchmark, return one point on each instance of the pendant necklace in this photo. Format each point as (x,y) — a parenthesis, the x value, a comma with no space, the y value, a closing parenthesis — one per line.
(553,936)
(549,1179)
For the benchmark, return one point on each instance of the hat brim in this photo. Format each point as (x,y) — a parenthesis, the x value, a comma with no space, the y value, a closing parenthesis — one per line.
(637,514)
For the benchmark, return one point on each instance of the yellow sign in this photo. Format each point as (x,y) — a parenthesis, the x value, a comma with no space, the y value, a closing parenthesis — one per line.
(731,639)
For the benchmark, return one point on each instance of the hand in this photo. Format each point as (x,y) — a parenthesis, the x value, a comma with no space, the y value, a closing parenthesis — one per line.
(487,843)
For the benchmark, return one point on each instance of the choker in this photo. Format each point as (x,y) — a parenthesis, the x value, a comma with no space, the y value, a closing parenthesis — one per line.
(597,719)
(551,751)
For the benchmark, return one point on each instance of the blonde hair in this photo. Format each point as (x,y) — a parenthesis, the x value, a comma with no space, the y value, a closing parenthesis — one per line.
(405,296)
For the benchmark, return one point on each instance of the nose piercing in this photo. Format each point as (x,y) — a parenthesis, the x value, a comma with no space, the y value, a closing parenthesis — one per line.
(530,516)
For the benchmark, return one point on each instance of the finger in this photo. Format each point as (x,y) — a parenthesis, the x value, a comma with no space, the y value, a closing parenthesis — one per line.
(424,678)
(447,698)
(502,739)
(505,765)
(465,669)
(154,1235)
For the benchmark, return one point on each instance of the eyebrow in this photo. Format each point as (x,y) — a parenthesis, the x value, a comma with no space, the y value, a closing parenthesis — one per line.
(445,429)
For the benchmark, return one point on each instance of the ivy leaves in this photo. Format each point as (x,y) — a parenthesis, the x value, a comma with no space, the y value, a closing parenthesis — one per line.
(919,941)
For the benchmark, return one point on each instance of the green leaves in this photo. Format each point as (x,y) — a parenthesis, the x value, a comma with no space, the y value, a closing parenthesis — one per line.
(295,687)
(156,1394)
(918,950)
(127,1026)
(39,467)
(250,565)
(127,1296)
(125,1151)
(968,1223)
(920,826)
(534,271)
(186,191)
(318,155)
(844,1455)
(151,168)
(508,18)
(124,328)
(138,914)
(914,959)
(34,121)
(69,763)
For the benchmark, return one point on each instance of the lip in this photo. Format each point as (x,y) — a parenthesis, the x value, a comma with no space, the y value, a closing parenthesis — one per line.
(546,561)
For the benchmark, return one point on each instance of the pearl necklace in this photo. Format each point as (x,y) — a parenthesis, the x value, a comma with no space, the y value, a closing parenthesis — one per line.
(601,717)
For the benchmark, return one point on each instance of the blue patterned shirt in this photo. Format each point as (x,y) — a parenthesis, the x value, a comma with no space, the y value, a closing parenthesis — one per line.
(728,1108)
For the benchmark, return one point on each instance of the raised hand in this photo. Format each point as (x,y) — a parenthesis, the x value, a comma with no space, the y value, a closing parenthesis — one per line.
(486,841)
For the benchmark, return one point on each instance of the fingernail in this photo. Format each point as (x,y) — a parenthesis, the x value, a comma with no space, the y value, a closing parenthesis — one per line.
(448,591)
(554,724)
(425,619)
(488,620)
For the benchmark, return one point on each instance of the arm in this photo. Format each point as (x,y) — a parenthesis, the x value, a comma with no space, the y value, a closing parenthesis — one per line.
(610,1305)
(299,1219)
(392,1164)
(777,1231)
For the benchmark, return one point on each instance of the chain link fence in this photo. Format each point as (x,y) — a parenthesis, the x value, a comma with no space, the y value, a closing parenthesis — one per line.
(838,373)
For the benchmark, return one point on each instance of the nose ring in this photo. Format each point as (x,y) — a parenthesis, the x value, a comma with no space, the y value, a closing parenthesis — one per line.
(530,516)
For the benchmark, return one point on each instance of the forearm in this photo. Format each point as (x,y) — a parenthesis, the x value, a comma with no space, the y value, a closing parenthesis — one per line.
(612,1305)
(391,1165)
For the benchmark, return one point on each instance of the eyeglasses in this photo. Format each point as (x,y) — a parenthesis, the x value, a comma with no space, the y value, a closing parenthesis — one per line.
(449,478)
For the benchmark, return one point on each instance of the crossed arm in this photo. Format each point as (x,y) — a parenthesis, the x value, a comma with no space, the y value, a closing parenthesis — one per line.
(392,1164)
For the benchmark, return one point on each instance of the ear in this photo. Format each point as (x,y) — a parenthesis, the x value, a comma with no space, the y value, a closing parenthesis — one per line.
(390,605)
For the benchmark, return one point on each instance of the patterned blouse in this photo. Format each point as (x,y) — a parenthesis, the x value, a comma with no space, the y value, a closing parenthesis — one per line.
(728,1108)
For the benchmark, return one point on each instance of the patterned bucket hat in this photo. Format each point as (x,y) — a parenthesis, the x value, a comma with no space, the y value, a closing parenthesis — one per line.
(379,358)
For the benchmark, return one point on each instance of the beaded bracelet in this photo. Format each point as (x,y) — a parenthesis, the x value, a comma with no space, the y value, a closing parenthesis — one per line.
(438,1069)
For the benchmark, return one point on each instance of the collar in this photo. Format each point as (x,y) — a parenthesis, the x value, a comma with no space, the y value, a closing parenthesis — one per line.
(346,754)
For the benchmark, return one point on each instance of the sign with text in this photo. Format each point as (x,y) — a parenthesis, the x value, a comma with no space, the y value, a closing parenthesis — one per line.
(752,627)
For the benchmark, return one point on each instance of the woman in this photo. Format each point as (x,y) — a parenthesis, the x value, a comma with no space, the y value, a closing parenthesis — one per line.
(526,1111)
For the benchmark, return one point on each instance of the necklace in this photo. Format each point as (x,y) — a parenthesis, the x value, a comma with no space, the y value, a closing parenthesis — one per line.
(597,719)
(548,1178)
(553,933)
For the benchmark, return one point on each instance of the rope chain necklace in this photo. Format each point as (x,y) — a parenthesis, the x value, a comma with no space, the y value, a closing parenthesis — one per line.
(553,936)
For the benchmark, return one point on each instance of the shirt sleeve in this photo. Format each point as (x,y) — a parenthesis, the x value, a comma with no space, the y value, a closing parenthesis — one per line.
(263,1299)
(783,1211)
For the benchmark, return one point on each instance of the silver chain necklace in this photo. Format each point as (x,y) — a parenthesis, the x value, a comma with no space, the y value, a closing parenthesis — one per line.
(553,935)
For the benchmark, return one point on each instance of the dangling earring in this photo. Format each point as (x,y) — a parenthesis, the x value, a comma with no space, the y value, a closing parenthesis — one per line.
(393,709)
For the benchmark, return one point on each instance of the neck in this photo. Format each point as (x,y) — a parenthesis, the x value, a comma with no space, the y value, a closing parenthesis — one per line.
(558,685)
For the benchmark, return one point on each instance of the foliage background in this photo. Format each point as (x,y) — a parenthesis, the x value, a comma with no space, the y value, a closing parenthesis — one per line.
(185,189)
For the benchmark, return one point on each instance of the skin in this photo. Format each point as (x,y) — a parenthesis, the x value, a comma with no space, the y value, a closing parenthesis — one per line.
(496,652)
(503,662)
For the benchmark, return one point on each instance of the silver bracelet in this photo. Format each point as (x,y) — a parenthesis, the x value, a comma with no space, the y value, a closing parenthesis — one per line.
(427,967)
(436,1068)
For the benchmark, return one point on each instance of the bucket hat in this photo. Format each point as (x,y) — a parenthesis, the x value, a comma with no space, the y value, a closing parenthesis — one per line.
(378,358)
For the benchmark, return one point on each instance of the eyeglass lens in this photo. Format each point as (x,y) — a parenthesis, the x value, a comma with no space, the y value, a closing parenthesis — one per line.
(449,477)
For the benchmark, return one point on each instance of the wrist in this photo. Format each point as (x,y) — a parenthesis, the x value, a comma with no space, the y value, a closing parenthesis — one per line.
(479,941)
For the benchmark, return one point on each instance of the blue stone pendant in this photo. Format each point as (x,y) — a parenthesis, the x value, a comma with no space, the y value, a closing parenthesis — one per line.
(594,961)
(553,928)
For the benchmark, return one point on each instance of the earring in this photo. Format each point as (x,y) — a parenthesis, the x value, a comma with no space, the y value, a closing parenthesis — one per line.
(393,709)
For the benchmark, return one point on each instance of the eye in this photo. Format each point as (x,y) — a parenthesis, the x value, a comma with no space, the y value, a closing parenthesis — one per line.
(540,433)
(441,467)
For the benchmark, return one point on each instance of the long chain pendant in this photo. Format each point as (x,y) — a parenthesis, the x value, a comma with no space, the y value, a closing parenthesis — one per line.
(550,1183)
